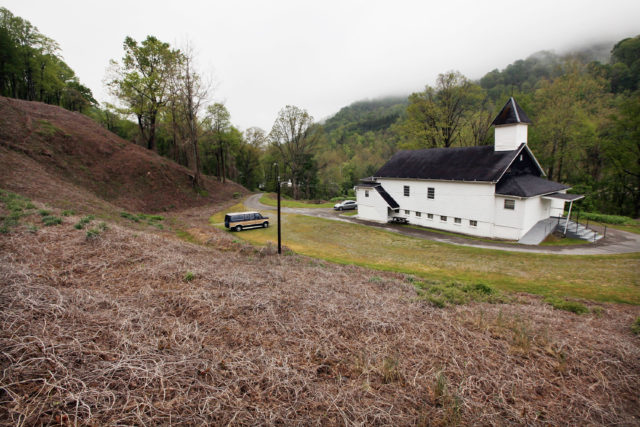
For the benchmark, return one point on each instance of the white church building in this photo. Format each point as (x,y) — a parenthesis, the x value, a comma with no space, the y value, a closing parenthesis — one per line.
(494,191)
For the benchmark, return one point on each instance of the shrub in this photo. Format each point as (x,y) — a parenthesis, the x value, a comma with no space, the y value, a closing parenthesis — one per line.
(50,220)
(188,276)
(562,304)
(44,212)
(635,328)
(84,221)
(93,234)
(443,294)
(127,215)
(607,219)
(237,195)
(67,212)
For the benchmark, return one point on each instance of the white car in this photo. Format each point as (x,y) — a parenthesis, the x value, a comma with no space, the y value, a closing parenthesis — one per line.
(346,205)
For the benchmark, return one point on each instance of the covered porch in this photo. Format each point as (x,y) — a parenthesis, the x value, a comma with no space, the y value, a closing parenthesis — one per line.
(564,197)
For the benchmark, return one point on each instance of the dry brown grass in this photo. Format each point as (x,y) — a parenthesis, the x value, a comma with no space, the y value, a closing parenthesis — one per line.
(107,331)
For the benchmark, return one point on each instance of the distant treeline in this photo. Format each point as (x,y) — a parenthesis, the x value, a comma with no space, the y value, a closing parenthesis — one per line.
(31,68)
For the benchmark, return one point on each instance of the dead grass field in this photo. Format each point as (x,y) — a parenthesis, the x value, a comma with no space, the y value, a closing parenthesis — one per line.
(611,278)
(133,327)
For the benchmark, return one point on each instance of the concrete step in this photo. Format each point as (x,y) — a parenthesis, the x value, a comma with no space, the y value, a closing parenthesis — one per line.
(577,231)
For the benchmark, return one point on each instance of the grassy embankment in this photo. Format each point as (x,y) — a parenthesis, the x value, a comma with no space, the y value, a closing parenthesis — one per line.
(611,278)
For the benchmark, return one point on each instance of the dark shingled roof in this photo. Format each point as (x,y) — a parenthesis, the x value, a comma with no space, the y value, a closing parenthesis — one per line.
(511,113)
(527,186)
(455,164)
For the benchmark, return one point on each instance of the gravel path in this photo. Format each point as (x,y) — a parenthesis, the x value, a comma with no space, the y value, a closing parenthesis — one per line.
(616,242)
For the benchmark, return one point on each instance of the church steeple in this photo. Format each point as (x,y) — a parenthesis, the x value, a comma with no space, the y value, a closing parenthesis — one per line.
(510,127)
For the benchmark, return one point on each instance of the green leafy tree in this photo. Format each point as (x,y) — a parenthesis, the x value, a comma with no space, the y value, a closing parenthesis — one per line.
(31,67)
(143,81)
(625,71)
(247,162)
(622,148)
(436,116)
(566,114)
(218,125)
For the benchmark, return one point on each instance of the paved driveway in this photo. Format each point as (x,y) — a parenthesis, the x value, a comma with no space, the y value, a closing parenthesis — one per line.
(616,242)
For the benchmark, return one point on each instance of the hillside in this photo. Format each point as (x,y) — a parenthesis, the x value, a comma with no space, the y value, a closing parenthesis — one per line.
(65,158)
(105,321)
(129,327)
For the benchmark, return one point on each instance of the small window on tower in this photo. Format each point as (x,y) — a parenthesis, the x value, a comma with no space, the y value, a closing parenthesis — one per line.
(431,193)
(406,190)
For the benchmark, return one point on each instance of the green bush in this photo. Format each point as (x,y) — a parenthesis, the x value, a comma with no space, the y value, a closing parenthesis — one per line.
(607,219)
(237,195)
(93,234)
(562,304)
(150,219)
(84,221)
(127,215)
(50,220)
(44,212)
(188,276)
(443,294)
(67,212)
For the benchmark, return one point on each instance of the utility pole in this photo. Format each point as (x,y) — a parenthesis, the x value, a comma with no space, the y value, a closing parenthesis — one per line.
(279,222)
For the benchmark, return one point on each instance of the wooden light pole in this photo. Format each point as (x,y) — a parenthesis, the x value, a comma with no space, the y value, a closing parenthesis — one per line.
(279,222)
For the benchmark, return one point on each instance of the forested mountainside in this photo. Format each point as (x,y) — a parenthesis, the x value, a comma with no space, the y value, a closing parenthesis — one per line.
(584,110)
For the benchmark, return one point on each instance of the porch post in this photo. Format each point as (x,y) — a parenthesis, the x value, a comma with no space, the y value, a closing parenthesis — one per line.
(566,224)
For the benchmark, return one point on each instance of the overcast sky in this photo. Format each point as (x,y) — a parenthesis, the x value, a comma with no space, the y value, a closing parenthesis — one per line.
(324,55)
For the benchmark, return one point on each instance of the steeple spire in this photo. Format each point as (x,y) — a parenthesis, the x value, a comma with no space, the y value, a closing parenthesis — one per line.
(510,127)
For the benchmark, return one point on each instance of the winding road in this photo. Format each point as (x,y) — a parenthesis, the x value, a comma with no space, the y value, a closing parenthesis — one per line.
(616,242)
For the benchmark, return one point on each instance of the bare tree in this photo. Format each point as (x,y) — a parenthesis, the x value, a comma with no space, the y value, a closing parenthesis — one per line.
(295,137)
(190,92)
(256,137)
(436,115)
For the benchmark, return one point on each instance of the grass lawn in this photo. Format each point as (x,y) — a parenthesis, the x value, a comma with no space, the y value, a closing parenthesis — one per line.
(553,240)
(269,199)
(612,278)
(631,228)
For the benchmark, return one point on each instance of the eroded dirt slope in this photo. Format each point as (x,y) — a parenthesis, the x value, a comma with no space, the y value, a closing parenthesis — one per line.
(55,155)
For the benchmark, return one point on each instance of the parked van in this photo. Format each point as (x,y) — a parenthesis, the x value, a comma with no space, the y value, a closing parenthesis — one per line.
(238,220)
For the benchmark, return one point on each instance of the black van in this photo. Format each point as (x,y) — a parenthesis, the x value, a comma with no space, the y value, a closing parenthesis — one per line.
(238,220)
